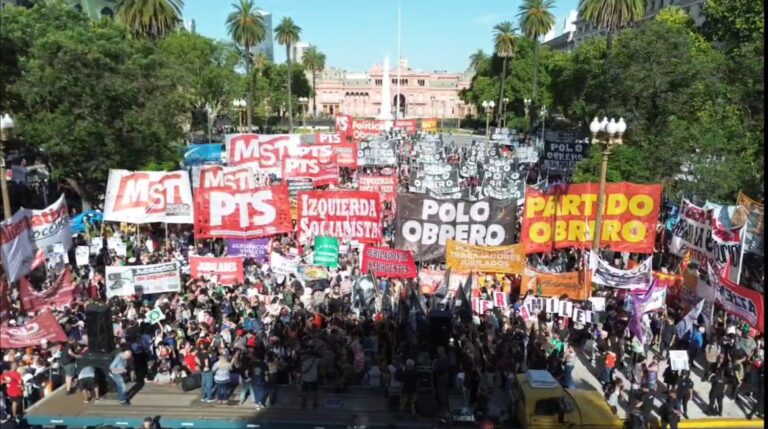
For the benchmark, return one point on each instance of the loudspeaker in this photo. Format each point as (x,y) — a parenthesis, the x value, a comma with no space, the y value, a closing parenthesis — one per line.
(426,405)
(98,324)
(191,382)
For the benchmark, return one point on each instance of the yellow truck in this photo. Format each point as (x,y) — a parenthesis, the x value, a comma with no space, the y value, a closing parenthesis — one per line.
(540,402)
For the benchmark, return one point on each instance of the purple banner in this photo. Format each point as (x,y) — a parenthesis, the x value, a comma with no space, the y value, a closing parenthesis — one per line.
(258,248)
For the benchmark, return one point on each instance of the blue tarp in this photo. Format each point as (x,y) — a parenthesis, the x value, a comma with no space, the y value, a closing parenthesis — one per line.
(77,223)
(208,153)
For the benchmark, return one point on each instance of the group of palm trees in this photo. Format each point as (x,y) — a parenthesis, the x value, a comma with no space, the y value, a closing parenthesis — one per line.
(155,19)
(536,20)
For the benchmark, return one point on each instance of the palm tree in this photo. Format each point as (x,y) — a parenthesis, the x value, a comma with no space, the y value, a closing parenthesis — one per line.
(505,44)
(153,19)
(477,58)
(287,34)
(246,27)
(611,15)
(314,61)
(536,20)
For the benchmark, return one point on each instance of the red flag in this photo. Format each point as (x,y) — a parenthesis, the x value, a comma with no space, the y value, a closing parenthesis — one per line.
(42,327)
(62,292)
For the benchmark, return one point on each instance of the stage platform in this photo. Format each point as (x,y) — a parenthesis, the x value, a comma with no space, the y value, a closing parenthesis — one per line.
(179,409)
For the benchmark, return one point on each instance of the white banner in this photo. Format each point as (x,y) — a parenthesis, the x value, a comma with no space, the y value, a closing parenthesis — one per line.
(148,196)
(17,250)
(146,279)
(699,231)
(50,226)
(604,274)
(236,178)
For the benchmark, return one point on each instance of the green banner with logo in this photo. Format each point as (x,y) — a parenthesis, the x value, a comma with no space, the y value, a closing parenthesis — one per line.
(326,252)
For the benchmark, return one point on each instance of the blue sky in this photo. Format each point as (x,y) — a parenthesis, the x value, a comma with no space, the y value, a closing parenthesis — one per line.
(355,34)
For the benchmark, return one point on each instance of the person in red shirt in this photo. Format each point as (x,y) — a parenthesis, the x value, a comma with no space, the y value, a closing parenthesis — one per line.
(190,363)
(12,380)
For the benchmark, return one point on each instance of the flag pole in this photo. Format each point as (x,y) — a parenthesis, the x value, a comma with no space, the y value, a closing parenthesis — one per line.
(744,232)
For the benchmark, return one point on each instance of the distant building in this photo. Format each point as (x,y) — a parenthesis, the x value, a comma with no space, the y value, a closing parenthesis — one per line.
(298,51)
(189,25)
(694,8)
(267,45)
(422,94)
(96,9)
(566,41)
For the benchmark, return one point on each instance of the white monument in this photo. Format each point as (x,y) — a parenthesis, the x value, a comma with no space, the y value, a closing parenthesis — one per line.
(385,113)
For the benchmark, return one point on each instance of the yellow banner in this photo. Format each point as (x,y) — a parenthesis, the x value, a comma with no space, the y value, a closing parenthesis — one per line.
(462,257)
(429,125)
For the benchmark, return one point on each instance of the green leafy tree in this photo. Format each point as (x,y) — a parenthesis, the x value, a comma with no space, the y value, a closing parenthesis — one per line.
(536,19)
(152,19)
(505,44)
(476,59)
(314,61)
(288,34)
(611,16)
(92,98)
(734,23)
(246,27)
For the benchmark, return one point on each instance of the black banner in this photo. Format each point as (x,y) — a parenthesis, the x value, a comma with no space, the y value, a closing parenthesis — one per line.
(296,185)
(376,153)
(562,157)
(503,179)
(424,224)
(472,156)
(438,178)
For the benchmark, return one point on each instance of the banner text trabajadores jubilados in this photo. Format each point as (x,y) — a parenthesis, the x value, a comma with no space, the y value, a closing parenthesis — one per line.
(566,218)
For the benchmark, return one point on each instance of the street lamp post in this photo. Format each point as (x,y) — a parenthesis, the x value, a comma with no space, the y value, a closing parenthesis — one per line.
(209,121)
(432,103)
(527,106)
(303,101)
(503,112)
(488,106)
(6,133)
(442,114)
(608,134)
(239,105)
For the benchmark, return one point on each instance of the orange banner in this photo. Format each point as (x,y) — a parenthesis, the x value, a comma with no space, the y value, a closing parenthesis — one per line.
(462,257)
(429,125)
(566,218)
(556,284)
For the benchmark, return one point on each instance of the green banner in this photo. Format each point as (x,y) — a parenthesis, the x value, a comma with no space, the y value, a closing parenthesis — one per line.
(326,252)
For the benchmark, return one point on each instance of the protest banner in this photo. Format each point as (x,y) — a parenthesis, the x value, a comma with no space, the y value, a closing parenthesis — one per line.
(201,154)
(326,252)
(283,265)
(346,154)
(154,315)
(229,269)
(142,279)
(61,292)
(44,326)
(527,154)
(265,151)
(742,302)
(480,306)
(429,125)
(567,218)
(562,157)
(503,180)
(598,303)
(148,197)
(605,274)
(317,163)
(678,360)
(425,224)
(296,185)
(50,226)
(347,215)
(238,178)
(343,127)
(386,186)
(256,249)
(389,263)
(439,178)
(430,280)
(259,212)
(651,298)
(697,232)
(462,257)
(555,284)
(377,153)
(17,249)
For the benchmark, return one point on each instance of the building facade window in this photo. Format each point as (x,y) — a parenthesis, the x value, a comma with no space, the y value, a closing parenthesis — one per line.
(421,82)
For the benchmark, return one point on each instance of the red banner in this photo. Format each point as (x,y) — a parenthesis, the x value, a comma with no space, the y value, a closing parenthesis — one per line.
(316,162)
(5,301)
(566,218)
(266,151)
(407,125)
(346,154)
(348,215)
(228,269)
(386,186)
(386,262)
(328,138)
(343,127)
(42,327)
(226,213)
(61,293)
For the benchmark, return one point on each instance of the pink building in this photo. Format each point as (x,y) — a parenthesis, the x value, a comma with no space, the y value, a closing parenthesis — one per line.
(422,94)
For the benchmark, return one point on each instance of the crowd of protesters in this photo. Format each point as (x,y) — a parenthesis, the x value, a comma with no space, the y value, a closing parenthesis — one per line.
(257,337)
